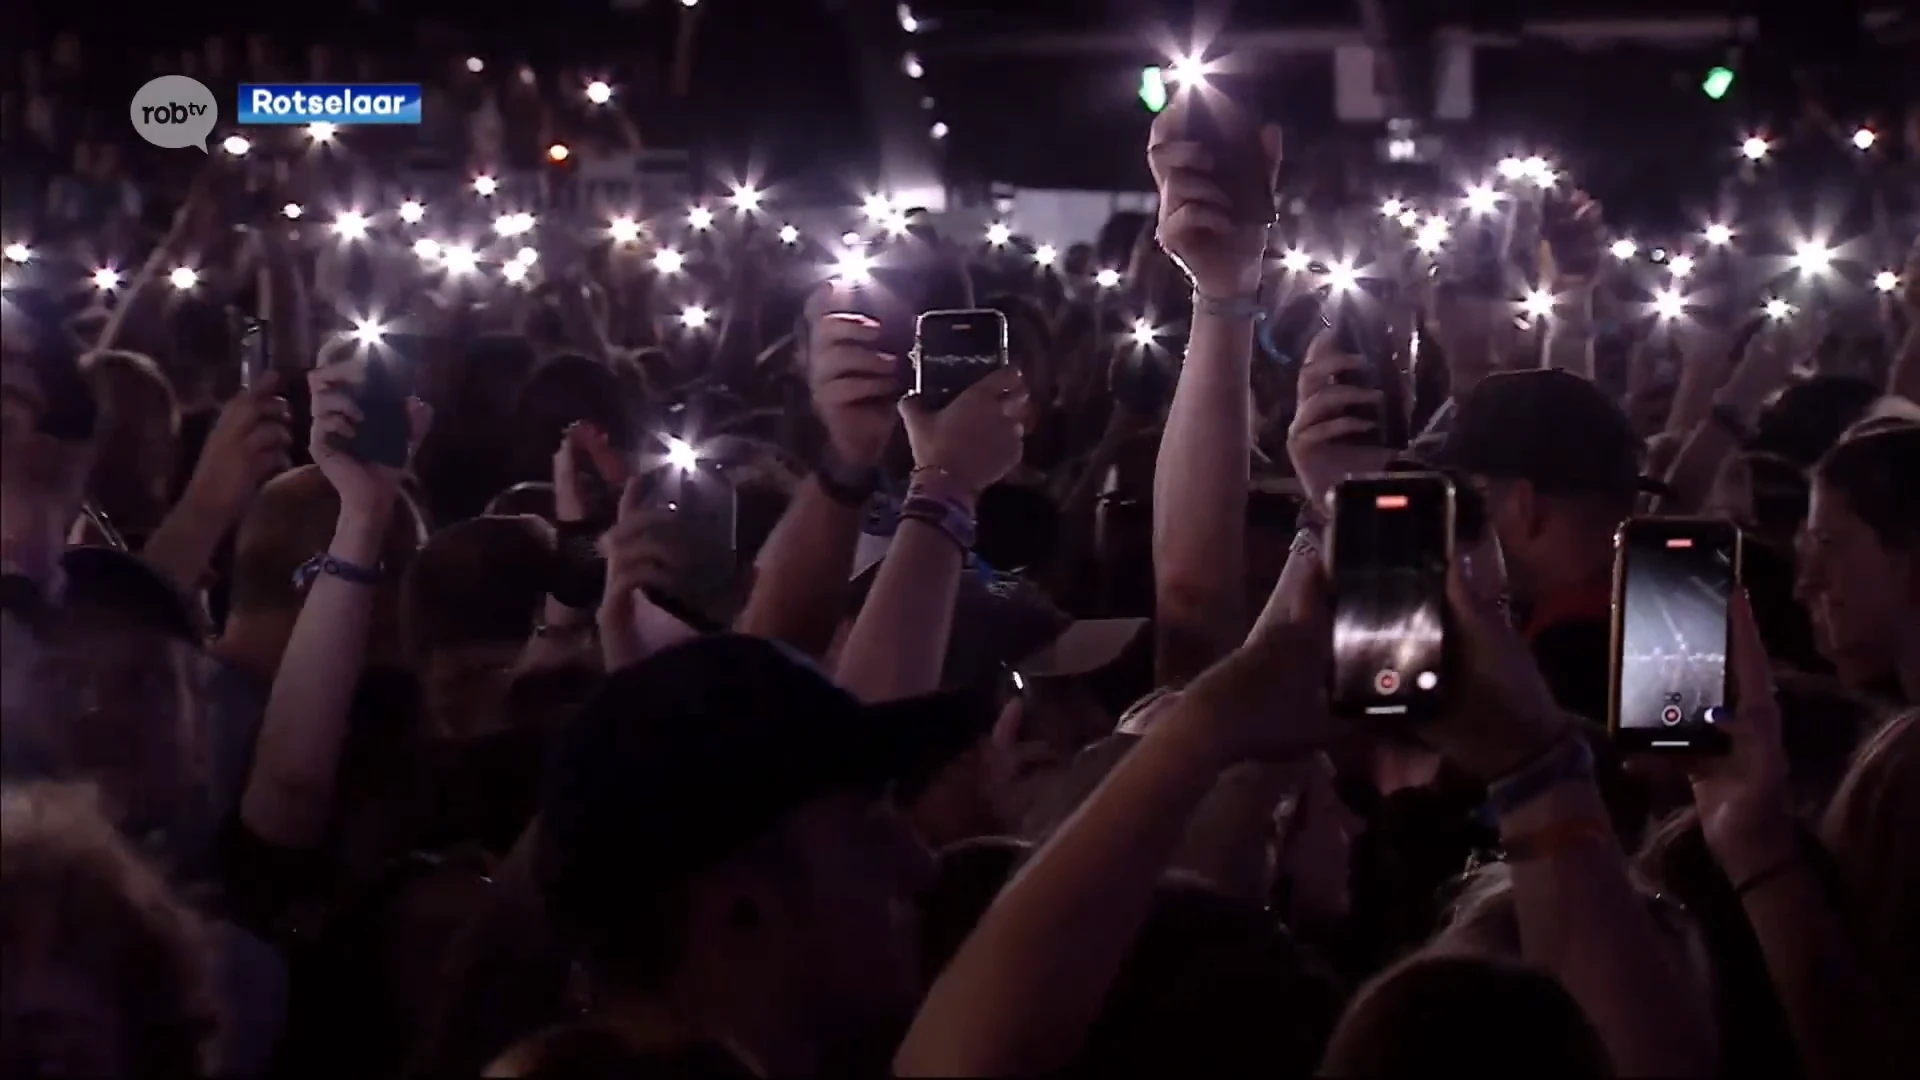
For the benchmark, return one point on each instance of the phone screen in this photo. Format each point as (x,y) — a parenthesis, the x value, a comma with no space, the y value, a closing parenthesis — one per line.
(1392,545)
(254,359)
(1672,580)
(952,350)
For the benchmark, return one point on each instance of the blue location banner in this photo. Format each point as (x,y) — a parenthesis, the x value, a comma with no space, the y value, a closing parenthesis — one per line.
(328,103)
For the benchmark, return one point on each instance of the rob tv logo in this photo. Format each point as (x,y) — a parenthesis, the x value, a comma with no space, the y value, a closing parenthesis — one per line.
(331,103)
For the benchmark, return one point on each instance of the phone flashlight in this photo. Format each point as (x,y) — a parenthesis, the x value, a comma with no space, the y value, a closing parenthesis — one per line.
(599,92)
(1295,261)
(854,267)
(878,208)
(1341,277)
(1537,304)
(513,224)
(1107,278)
(515,272)
(1753,148)
(484,185)
(412,210)
(475,65)
(460,260)
(1864,138)
(1778,309)
(350,225)
(668,261)
(1046,255)
(695,317)
(322,132)
(526,256)
(1681,265)
(19,253)
(1144,333)
(998,234)
(558,153)
(292,211)
(236,145)
(1624,249)
(789,234)
(106,279)
(1812,257)
(700,219)
(624,230)
(426,248)
(1669,304)
(1433,235)
(1719,235)
(183,278)
(368,332)
(1886,281)
(682,455)
(745,198)
(1482,200)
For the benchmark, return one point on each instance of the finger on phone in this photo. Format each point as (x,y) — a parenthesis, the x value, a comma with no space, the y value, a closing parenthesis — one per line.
(1340,427)
(1753,675)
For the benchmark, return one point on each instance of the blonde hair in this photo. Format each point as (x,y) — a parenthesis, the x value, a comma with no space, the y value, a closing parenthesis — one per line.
(76,899)
(1869,828)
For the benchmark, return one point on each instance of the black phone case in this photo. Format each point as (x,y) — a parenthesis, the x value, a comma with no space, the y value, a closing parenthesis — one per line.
(1366,336)
(1221,119)
(383,434)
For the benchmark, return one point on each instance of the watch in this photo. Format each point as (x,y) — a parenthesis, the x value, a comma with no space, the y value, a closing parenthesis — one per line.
(849,485)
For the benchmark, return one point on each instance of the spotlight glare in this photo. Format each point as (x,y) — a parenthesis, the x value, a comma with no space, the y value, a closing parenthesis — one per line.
(19,253)
(1778,309)
(367,332)
(1144,333)
(878,208)
(1482,200)
(1512,168)
(854,267)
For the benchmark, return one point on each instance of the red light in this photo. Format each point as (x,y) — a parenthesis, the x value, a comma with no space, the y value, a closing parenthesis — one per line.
(1390,502)
(1680,542)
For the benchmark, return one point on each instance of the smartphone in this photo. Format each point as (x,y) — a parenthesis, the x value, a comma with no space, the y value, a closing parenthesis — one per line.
(255,359)
(1672,580)
(1390,548)
(700,520)
(384,434)
(1223,116)
(952,350)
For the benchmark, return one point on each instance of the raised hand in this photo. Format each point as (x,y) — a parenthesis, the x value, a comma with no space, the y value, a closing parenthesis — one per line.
(1196,226)
(978,438)
(248,445)
(584,444)
(1742,795)
(854,384)
(1318,439)
(1267,700)
(363,488)
(632,626)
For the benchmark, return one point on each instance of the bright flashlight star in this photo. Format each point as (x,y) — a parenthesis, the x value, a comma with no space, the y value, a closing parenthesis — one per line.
(912,66)
(292,210)
(460,259)
(1886,281)
(1719,235)
(237,145)
(998,234)
(19,253)
(183,277)
(426,248)
(322,132)
(1341,277)
(599,93)
(484,185)
(1669,304)
(1864,139)
(1433,235)
(624,230)
(850,238)
(1753,148)
(1107,278)
(681,453)
(412,211)
(939,130)
(854,267)
(878,208)
(1512,168)
(106,278)
(351,224)
(1538,304)
(746,199)
(695,317)
(526,256)
(668,261)
(1624,249)
(1295,261)
(700,219)
(1391,208)
(1812,257)
(1046,254)
(1408,219)
(1482,200)
(1538,170)
(368,332)
(1778,309)
(1681,265)
(515,272)
(789,234)
(1188,71)
(475,65)
(1144,333)
(513,224)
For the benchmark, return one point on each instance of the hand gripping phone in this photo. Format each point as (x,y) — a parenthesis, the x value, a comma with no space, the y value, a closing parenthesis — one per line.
(1673,579)
(384,435)
(952,350)
(1223,115)
(1391,547)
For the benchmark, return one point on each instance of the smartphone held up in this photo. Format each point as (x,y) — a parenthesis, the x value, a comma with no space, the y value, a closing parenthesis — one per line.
(1673,580)
(1391,546)
(952,350)
(1221,111)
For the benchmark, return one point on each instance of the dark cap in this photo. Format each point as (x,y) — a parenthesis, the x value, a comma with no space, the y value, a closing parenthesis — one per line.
(686,758)
(1553,429)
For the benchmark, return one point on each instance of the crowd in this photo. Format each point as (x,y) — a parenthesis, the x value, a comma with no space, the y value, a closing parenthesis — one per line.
(544,638)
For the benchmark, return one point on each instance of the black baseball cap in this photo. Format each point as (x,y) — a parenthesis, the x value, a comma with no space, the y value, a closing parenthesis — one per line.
(1551,428)
(687,757)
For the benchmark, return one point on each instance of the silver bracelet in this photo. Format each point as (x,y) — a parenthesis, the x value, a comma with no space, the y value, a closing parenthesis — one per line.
(1237,307)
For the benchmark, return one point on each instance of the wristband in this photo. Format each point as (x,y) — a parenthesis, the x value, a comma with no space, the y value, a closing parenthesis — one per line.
(1233,307)
(950,518)
(1556,839)
(334,567)
(1772,871)
(1568,759)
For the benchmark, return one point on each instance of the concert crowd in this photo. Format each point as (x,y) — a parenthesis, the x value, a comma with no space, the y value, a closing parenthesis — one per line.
(465,615)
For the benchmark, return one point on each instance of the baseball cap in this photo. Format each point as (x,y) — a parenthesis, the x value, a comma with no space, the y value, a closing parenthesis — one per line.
(1001,621)
(685,758)
(1551,428)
